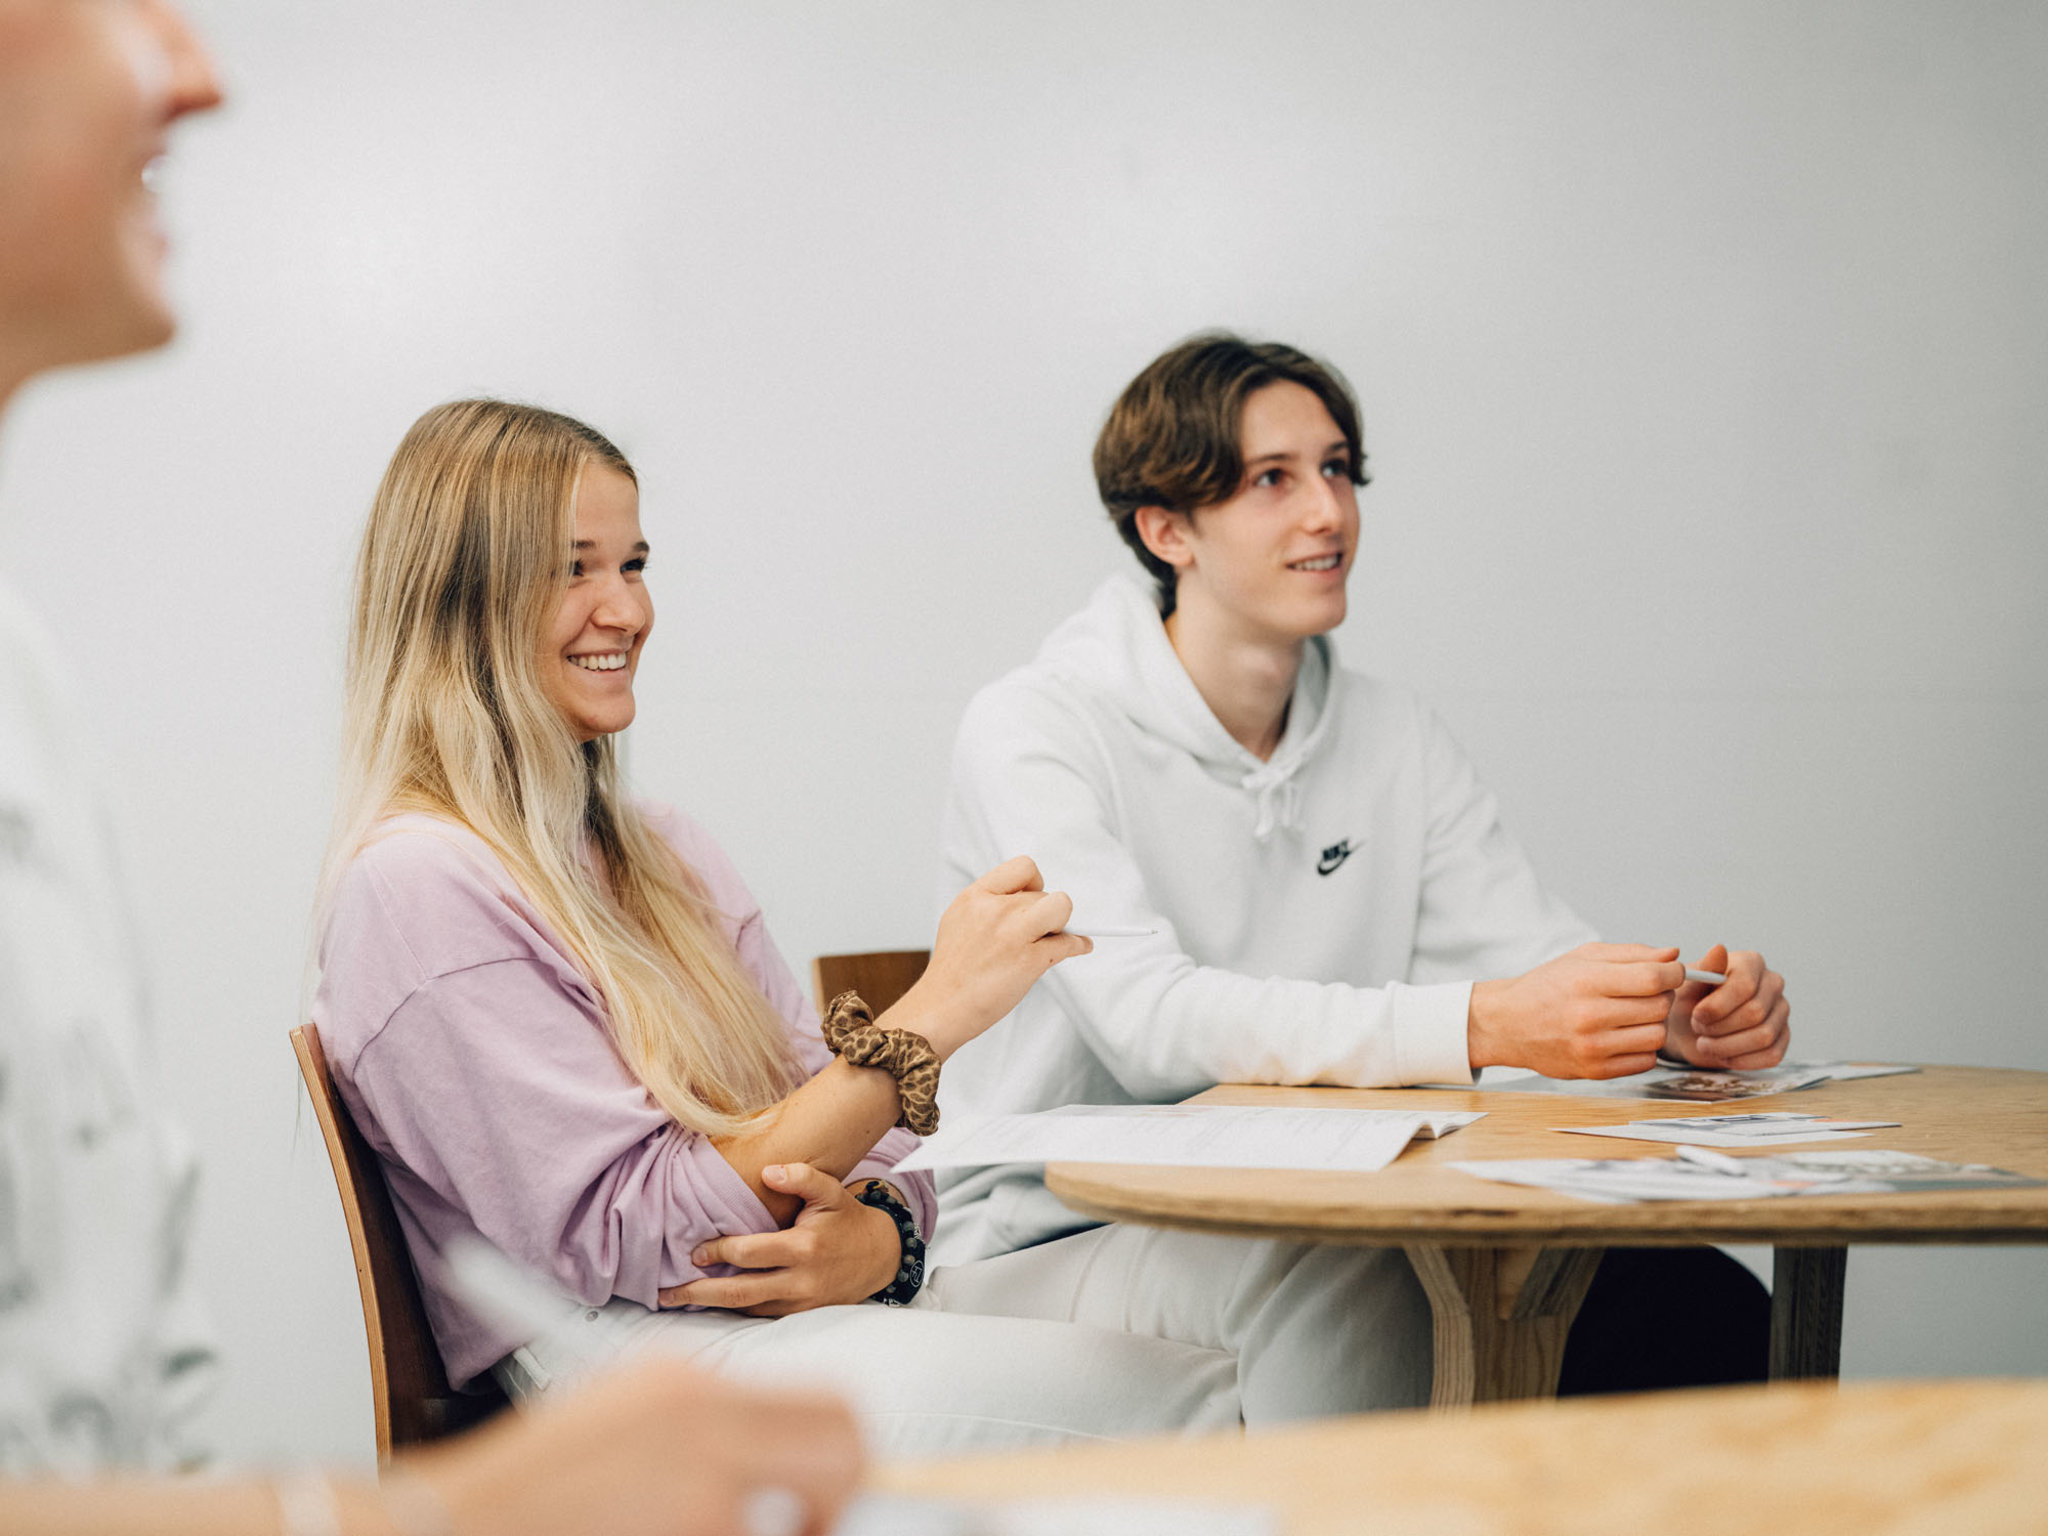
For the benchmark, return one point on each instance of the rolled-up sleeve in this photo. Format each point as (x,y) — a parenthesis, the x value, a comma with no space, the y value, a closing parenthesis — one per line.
(497,1088)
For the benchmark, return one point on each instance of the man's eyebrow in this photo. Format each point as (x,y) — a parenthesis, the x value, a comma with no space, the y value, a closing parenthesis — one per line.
(1281,455)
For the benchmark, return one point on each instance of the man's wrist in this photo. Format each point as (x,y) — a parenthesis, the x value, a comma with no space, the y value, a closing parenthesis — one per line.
(1481,1017)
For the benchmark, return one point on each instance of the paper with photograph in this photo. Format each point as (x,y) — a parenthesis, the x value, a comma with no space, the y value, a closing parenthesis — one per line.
(1754,1130)
(1695,1175)
(1188,1135)
(1692,1085)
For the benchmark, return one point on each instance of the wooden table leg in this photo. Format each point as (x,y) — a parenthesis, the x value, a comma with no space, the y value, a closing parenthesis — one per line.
(1806,1312)
(1501,1317)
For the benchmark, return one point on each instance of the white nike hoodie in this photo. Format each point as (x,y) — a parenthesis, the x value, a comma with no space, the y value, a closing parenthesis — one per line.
(1320,917)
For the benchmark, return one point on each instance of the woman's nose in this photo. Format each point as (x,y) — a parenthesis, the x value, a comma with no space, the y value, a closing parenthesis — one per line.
(623,606)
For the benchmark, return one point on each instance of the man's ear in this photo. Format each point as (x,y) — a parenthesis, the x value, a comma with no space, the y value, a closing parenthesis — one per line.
(1166,534)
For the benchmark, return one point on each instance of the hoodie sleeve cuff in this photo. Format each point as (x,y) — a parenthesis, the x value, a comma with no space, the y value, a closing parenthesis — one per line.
(1431,1040)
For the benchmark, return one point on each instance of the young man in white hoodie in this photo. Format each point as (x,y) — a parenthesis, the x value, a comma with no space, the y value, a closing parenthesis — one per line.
(1330,894)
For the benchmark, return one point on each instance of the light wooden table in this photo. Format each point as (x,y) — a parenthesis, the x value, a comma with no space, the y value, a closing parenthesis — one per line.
(1506,1267)
(1920,1459)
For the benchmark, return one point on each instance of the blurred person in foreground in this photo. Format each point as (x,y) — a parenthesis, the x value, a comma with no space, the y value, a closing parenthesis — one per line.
(102,1357)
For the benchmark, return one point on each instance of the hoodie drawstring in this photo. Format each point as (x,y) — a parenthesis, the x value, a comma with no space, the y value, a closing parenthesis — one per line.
(1279,797)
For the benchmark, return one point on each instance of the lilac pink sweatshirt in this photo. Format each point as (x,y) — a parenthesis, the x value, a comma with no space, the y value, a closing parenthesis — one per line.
(473,1055)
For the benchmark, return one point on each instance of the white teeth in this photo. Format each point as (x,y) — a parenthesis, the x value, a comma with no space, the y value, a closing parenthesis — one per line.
(610,661)
(1320,563)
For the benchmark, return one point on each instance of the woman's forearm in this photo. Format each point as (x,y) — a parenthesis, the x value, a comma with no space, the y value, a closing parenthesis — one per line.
(831,1122)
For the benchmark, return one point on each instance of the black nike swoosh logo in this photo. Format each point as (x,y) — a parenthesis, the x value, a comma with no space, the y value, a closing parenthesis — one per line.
(1334,855)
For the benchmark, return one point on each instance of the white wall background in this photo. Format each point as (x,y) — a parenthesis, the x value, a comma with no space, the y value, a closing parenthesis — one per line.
(1704,356)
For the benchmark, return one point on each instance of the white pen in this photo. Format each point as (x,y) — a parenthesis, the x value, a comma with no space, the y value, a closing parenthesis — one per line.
(1112,933)
(1711,978)
(1701,1157)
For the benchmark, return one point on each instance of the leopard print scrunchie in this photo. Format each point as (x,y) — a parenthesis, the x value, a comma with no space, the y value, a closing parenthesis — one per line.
(856,1039)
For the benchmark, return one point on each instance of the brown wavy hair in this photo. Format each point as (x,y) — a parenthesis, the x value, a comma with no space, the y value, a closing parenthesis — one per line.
(1173,437)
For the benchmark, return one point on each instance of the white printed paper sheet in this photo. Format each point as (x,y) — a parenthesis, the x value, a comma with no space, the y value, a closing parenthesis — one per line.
(1185,1135)
(1694,1175)
(1756,1130)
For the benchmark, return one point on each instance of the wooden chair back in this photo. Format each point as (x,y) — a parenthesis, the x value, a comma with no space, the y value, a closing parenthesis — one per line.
(880,976)
(408,1385)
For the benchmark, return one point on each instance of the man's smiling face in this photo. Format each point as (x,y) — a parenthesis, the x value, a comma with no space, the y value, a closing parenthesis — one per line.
(88,92)
(1269,564)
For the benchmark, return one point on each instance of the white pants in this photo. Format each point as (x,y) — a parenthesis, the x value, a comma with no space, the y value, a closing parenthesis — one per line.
(1313,1329)
(1113,1332)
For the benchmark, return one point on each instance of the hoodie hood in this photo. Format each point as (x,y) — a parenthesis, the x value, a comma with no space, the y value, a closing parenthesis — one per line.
(1115,652)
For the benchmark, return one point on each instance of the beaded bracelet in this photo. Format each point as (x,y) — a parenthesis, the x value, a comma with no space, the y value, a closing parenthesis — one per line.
(910,1268)
(856,1039)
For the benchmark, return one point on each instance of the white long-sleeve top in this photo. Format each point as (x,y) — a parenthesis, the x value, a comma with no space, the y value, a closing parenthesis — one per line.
(1321,916)
(105,1356)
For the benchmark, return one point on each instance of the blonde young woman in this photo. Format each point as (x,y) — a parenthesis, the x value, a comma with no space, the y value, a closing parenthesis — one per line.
(558,1016)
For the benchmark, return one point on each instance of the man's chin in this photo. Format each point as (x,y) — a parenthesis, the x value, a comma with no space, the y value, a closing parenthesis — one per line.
(1323,621)
(148,322)
(111,329)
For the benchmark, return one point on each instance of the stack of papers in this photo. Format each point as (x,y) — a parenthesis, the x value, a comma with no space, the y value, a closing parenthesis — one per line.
(1694,1085)
(1696,1175)
(1186,1135)
(1758,1130)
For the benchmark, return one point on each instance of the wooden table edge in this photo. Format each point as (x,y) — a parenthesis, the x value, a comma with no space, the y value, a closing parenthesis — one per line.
(1526,1227)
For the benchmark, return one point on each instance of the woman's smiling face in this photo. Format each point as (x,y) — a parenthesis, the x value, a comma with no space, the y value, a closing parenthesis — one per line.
(593,647)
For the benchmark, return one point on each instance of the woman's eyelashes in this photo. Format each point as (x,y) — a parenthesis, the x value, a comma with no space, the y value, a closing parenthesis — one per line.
(632,567)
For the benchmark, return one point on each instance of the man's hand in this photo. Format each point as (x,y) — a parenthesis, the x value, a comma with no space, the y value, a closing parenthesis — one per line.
(837,1251)
(657,1449)
(1600,1011)
(1745,1022)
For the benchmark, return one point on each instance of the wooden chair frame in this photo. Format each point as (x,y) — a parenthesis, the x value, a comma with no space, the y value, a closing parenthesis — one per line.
(408,1385)
(880,976)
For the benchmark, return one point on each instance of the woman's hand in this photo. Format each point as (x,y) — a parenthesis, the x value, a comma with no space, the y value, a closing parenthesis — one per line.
(1744,1023)
(997,938)
(658,1449)
(837,1251)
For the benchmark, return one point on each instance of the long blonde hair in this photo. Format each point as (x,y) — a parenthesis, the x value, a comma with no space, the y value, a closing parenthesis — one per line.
(459,577)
